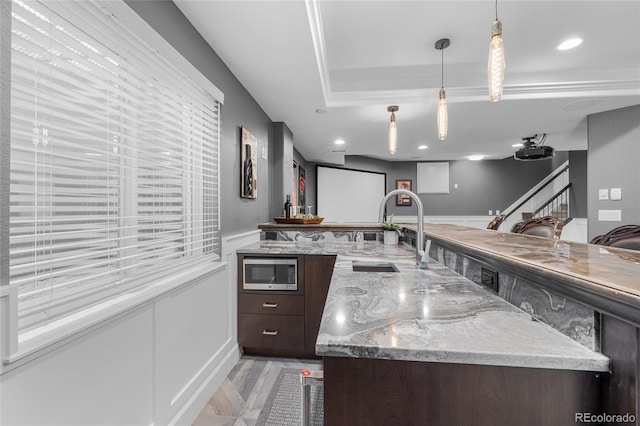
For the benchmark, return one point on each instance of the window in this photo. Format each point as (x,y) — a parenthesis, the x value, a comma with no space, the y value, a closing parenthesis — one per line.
(114,160)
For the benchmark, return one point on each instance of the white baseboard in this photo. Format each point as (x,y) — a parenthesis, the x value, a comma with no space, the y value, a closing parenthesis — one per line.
(194,405)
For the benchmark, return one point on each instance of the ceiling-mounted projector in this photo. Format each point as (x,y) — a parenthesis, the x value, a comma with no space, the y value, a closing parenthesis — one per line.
(534,148)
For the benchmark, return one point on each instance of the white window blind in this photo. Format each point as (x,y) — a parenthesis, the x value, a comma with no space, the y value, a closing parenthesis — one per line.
(114,161)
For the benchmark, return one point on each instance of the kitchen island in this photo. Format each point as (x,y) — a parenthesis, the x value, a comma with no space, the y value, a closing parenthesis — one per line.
(431,347)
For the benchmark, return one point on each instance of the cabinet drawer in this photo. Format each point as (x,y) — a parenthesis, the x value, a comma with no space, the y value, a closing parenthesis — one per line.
(270,304)
(271,331)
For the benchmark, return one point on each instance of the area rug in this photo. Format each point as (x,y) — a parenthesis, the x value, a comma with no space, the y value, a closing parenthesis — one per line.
(282,407)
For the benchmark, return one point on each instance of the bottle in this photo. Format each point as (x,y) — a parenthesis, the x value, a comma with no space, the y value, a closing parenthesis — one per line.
(248,172)
(287,207)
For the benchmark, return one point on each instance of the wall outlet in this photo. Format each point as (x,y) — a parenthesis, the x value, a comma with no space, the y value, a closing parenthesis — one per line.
(610,215)
(497,212)
(490,212)
(603,194)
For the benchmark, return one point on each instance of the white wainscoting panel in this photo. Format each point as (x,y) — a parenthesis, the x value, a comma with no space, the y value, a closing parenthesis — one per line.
(191,329)
(225,308)
(156,364)
(105,378)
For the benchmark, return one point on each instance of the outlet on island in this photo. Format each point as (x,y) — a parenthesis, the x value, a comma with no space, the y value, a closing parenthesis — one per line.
(489,279)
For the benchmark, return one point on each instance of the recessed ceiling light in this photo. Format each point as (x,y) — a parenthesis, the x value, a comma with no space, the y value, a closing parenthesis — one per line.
(516,145)
(423,147)
(570,44)
(339,142)
(476,157)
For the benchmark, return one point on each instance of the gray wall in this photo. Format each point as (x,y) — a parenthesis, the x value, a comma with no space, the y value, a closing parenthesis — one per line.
(281,164)
(239,110)
(482,185)
(614,162)
(578,177)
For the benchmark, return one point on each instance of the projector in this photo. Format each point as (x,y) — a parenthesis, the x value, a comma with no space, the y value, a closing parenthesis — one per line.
(534,151)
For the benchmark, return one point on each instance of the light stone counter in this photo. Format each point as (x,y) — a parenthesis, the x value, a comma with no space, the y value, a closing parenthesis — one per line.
(432,315)
(590,265)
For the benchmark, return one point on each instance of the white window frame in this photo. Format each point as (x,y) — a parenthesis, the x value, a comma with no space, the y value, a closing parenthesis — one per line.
(15,346)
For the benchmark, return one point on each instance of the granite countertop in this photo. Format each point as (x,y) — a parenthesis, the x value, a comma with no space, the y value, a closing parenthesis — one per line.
(590,265)
(432,315)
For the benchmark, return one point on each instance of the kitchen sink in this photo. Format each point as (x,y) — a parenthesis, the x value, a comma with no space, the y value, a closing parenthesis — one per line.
(362,266)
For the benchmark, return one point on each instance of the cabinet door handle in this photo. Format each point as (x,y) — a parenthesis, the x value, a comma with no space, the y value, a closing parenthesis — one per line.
(270,333)
(269,305)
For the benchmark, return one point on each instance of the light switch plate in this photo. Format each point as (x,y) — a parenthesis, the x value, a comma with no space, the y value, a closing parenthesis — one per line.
(264,153)
(610,215)
(616,194)
(603,194)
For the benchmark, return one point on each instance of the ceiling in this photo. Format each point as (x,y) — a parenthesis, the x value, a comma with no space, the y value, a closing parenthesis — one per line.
(330,68)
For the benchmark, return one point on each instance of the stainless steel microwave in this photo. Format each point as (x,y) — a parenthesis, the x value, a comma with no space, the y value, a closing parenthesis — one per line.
(270,273)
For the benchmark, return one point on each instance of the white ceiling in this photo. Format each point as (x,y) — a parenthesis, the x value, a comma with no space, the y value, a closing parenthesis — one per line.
(352,59)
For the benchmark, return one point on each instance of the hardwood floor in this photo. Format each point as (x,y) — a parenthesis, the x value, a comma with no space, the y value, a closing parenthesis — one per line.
(242,395)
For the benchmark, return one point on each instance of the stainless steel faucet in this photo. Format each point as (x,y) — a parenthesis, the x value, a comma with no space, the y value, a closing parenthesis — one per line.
(421,255)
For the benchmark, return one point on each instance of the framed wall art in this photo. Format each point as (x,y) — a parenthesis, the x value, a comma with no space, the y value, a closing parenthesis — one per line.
(249,171)
(294,192)
(403,200)
(302,181)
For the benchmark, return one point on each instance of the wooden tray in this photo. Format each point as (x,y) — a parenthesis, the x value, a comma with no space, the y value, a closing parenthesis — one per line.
(299,221)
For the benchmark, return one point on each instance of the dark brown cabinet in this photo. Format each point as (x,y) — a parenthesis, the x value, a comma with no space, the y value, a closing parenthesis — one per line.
(272,333)
(317,275)
(285,323)
(388,392)
(270,304)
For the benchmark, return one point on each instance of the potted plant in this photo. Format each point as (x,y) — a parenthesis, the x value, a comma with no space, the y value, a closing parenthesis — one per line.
(391,231)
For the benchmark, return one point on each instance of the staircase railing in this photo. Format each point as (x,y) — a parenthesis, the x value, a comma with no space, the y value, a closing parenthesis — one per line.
(557,205)
(507,219)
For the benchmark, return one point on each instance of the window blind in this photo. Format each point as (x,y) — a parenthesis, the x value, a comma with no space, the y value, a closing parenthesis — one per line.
(114,161)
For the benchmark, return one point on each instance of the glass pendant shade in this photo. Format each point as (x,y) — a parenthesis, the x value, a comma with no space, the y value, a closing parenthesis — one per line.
(393,135)
(495,68)
(442,115)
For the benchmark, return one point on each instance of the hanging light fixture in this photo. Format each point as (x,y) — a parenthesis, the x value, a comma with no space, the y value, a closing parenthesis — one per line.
(393,130)
(495,68)
(443,116)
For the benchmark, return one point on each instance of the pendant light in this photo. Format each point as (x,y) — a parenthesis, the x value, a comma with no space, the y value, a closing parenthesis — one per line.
(443,116)
(495,68)
(393,130)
